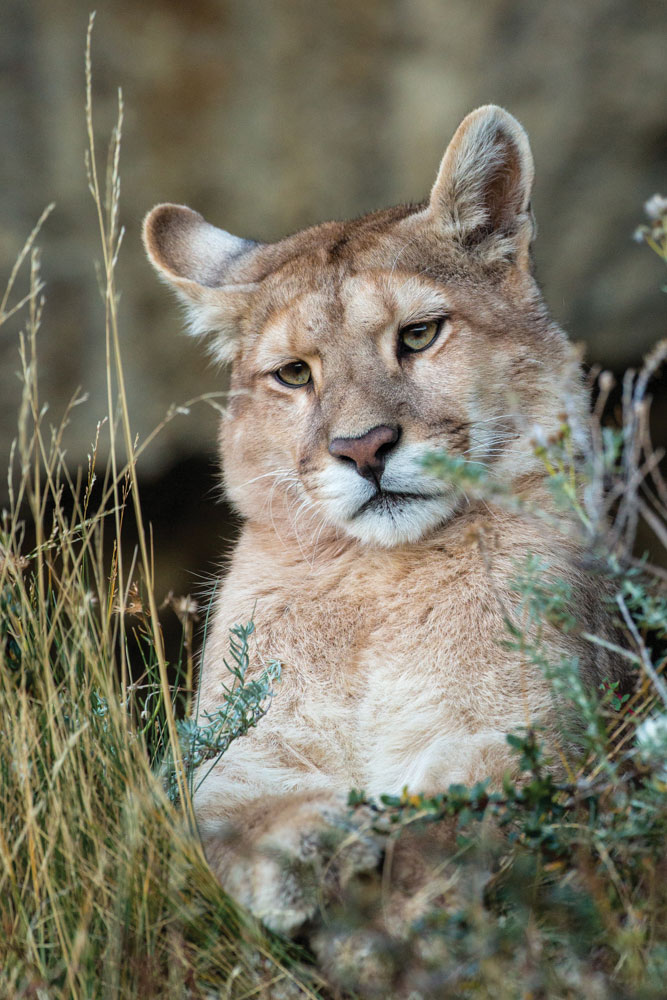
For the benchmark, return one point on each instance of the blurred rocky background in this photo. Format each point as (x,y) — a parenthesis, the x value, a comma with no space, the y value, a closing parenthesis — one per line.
(268,115)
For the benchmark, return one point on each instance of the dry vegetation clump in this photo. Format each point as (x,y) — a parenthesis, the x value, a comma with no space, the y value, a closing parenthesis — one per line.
(104,891)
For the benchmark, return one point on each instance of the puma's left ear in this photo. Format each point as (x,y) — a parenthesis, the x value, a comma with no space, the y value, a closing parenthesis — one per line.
(205,266)
(482,193)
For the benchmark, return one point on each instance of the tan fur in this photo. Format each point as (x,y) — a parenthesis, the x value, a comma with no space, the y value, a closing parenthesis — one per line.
(389,626)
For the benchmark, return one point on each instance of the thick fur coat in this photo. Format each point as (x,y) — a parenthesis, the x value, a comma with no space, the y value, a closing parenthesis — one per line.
(356,349)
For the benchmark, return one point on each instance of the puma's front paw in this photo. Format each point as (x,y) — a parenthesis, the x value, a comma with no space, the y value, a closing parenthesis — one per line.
(295,861)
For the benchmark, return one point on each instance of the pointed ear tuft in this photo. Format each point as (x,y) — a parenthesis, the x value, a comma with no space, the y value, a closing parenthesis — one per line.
(203,264)
(481,196)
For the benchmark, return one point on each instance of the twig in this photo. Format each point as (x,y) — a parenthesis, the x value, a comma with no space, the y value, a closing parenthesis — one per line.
(657,681)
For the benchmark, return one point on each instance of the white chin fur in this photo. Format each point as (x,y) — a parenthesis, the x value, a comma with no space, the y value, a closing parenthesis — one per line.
(401,522)
(343,493)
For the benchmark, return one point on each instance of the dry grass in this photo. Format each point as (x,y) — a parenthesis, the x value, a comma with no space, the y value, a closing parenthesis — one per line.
(103,887)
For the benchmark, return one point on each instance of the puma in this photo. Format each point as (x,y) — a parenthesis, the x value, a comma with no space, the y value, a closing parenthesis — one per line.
(357,349)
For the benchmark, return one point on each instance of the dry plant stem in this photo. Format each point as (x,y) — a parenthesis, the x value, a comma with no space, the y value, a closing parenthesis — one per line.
(35,496)
(640,460)
(653,521)
(111,238)
(645,659)
(108,236)
(5,313)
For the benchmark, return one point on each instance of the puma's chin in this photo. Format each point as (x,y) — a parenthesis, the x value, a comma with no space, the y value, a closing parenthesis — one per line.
(399,519)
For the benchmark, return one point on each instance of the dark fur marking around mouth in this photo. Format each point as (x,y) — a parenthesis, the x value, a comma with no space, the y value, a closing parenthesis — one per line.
(385,499)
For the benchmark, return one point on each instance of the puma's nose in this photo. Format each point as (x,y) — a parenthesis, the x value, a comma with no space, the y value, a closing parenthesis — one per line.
(367,452)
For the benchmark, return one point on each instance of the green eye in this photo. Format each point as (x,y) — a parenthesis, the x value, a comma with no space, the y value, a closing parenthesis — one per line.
(418,336)
(295,374)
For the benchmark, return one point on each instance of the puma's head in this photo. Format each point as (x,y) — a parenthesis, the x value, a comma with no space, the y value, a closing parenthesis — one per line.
(357,348)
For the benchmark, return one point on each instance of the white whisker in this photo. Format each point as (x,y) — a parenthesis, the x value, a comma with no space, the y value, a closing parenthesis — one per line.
(264,475)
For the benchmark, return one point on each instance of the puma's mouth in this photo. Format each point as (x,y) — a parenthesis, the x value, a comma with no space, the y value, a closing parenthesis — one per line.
(407,506)
(391,517)
(388,500)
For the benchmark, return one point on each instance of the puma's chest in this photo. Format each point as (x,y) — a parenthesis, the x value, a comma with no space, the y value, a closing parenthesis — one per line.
(365,627)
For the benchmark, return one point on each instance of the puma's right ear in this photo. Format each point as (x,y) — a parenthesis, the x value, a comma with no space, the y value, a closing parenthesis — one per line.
(203,265)
(482,193)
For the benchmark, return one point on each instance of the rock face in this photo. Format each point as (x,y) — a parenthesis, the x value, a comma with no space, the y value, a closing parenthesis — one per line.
(267,116)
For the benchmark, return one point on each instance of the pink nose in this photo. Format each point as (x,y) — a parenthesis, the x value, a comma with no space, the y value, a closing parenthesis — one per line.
(367,452)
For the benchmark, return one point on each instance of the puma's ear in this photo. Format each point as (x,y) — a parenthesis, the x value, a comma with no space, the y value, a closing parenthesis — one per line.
(203,264)
(482,192)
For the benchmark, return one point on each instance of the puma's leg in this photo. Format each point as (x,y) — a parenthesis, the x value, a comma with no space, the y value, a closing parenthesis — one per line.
(285,857)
